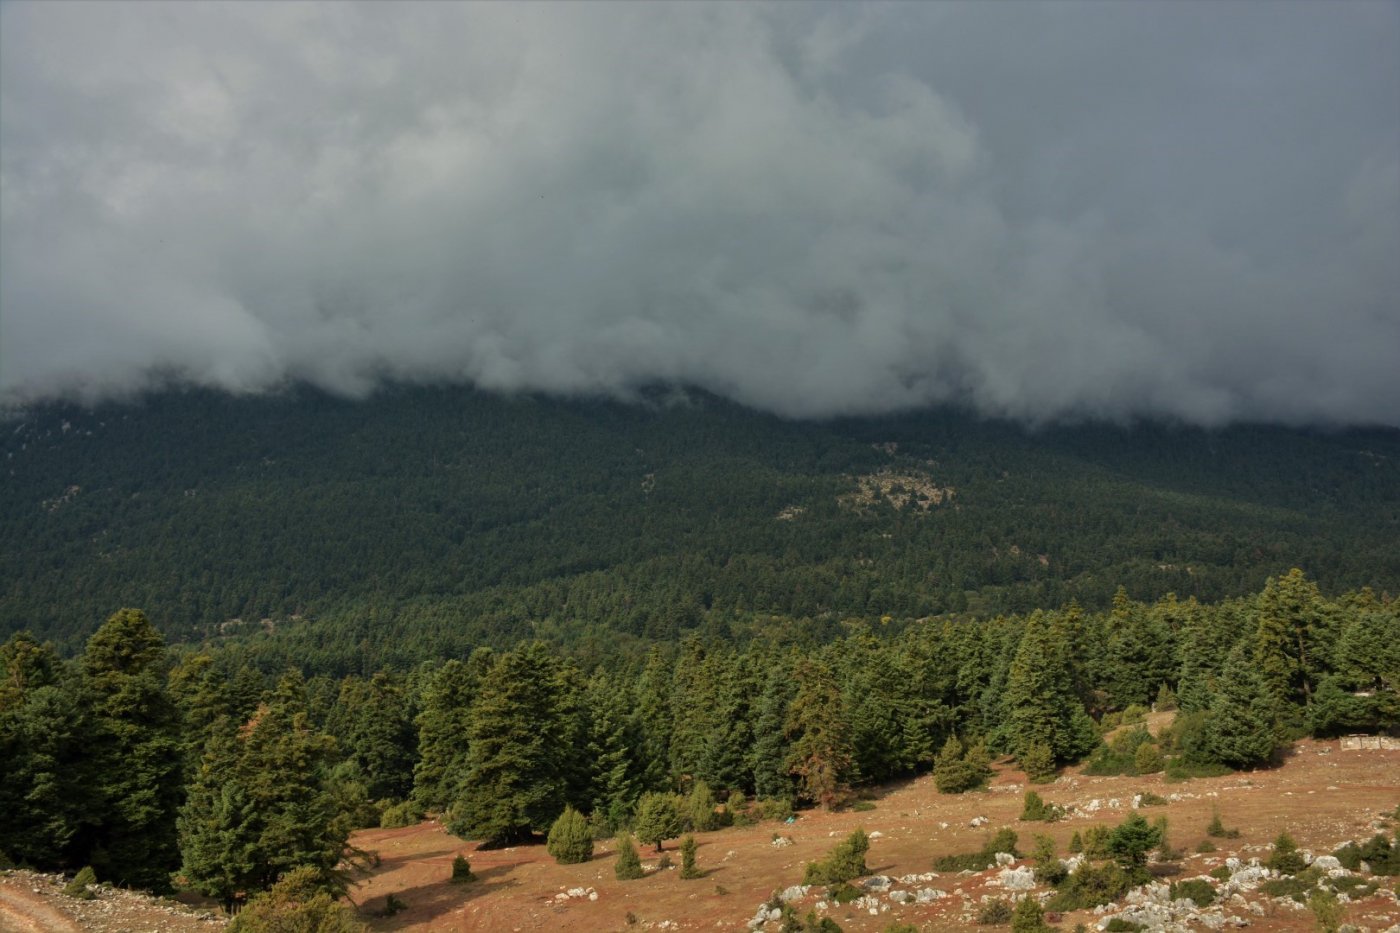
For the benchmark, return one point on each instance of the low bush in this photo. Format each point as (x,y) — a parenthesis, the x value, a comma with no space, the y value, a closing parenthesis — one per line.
(845,862)
(1149,799)
(1036,810)
(78,887)
(1090,886)
(399,815)
(1003,841)
(462,870)
(1217,829)
(628,865)
(844,893)
(995,912)
(1205,847)
(1285,858)
(1199,891)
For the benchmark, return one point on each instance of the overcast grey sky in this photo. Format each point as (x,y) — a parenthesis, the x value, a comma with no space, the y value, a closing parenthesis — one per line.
(1043,210)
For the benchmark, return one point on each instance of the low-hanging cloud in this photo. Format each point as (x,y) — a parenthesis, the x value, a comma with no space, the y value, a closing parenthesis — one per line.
(1040,210)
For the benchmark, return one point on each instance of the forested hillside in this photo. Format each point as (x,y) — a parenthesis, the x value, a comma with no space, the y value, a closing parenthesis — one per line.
(424,522)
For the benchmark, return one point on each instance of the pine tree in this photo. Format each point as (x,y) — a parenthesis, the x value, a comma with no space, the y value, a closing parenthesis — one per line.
(654,721)
(517,771)
(1293,640)
(1239,729)
(821,756)
(688,869)
(261,805)
(768,759)
(570,839)
(443,724)
(628,865)
(1041,705)
(137,750)
(378,735)
(49,802)
(658,818)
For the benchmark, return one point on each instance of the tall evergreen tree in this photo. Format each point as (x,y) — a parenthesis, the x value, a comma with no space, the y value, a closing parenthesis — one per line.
(820,755)
(1042,706)
(137,750)
(517,777)
(261,803)
(1239,730)
(443,724)
(48,803)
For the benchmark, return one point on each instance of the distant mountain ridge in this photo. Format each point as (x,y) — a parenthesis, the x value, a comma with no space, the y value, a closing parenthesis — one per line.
(466,517)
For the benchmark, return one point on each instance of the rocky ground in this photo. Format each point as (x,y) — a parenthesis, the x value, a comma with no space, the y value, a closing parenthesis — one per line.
(1322,795)
(31,902)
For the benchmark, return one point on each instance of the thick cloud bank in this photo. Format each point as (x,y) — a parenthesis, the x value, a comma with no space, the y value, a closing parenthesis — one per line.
(1041,210)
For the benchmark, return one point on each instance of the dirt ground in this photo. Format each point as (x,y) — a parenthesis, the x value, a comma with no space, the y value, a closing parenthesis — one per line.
(1322,796)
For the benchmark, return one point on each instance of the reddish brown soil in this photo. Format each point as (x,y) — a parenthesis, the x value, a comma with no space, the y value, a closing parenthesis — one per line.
(1321,795)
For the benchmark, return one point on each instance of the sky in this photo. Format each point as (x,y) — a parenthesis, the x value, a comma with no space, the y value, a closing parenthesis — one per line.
(1046,211)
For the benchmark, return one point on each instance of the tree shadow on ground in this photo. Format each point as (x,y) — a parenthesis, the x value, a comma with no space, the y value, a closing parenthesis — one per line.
(425,902)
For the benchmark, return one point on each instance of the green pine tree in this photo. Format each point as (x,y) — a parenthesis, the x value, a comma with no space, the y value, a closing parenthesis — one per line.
(570,839)
(820,756)
(137,750)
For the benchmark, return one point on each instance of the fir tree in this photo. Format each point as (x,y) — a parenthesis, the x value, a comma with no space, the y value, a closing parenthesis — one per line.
(517,774)
(628,865)
(1042,708)
(260,805)
(688,869)
(658,818)
(570,839)
(821,755)
(1239,729)
(137,749)
(443,724)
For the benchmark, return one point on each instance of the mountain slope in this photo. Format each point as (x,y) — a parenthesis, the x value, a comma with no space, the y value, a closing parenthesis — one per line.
(452,517)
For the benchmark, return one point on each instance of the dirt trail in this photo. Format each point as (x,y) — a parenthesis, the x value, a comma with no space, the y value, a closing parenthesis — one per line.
(23,911)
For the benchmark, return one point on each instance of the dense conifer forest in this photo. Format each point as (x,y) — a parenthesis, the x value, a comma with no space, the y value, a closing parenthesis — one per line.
(531,616)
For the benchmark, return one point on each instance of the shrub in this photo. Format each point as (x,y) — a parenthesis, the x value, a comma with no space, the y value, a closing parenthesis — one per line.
(773,808)
(1096,842)
(1135,713)
(1285,857)
(462,870)
(392,905)
(1296,888)
(1326,910)
(688,869)
(570,839)
(844,893)
(1198,890)
(1118,756)
(845,862)
(957,769)
(659,818)
(1350,856)
(298,901)
(1090,886)
(1038,811)
(1166,699)
(700,809)
(1217,829)
(995,912)
(1028,917)
(1003,841)
(1149,799)
(863,806)
(1076,843)
(1119,925)
(1148,759)
(628,865)
(1038,761)
(1383,858)
(399,815)
(1048,868)
(1205,847)
(1129,843)
(78,887)
(1220,873)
